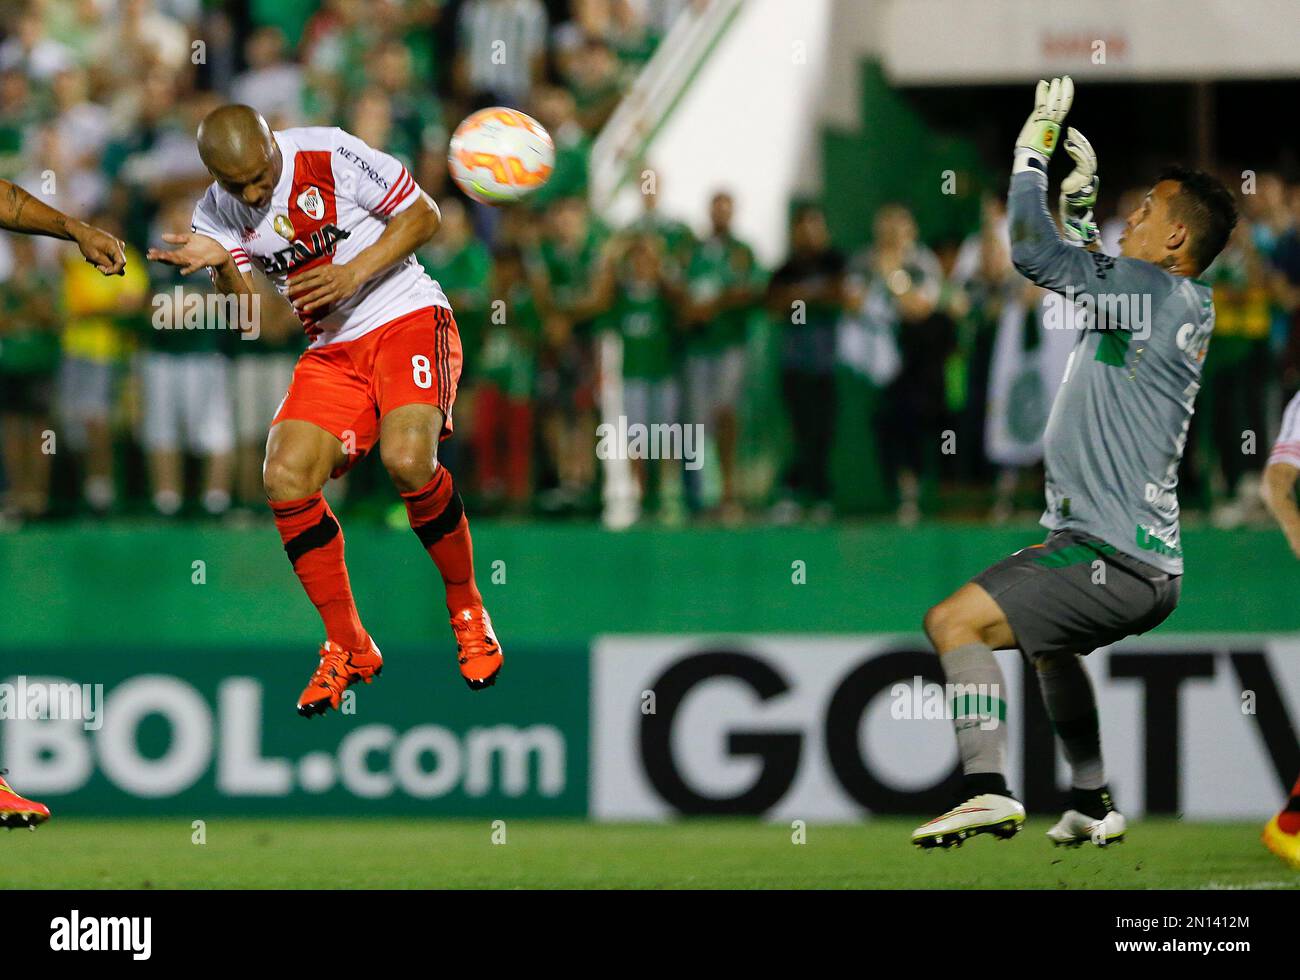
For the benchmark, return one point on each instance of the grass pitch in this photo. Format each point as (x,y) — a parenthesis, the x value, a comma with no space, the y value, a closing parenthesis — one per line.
(401,853)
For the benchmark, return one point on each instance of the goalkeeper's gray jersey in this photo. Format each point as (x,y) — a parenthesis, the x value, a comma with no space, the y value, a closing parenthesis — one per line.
(1116,432)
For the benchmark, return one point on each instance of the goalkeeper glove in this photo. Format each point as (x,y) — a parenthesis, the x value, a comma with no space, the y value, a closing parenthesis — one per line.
(1079,191)
(1039,136)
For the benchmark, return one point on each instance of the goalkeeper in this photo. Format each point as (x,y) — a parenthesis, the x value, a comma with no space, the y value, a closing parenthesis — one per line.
(1111,564)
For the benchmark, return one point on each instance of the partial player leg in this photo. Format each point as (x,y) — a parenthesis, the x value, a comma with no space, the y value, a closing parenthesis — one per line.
(299,458)
(1072,707)
(408,446)
(16,811)
(965,629)
(1059,603)
(416,368)
(1282,833)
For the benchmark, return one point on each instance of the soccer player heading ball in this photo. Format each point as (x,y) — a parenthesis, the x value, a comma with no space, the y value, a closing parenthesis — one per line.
(1111,564)
(334,224)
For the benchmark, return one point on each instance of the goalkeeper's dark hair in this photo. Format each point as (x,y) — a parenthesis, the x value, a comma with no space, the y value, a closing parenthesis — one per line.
(1205,205)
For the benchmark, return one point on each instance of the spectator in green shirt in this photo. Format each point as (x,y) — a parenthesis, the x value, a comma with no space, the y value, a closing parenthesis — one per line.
(371,120)
(596,81)
(675,237)
(726,288)
(29,359)
(643,305)
(556,110)
(18,116)
(570,253)
(571,250)
(415,110)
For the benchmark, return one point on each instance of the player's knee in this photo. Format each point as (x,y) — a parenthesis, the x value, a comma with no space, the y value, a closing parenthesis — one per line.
(283,479)
(936,620)
(942,622)
(409,463)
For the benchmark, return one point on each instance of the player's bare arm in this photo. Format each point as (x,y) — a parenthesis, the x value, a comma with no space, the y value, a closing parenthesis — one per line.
(20,211)
(327,284)
(1278,491)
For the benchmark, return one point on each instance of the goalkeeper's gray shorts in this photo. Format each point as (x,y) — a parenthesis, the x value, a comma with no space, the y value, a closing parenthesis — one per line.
(1074,593)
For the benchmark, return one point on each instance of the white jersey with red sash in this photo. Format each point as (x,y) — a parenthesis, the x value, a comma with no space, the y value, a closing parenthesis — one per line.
(334,198)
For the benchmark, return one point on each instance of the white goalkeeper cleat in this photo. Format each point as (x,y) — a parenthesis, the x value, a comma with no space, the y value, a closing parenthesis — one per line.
(1075,829)
(988,813)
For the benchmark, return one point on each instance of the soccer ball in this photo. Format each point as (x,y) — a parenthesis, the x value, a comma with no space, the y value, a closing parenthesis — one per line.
(500,155)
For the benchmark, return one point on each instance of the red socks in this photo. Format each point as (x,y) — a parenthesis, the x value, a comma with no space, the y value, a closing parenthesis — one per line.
(314,543)
(438,519)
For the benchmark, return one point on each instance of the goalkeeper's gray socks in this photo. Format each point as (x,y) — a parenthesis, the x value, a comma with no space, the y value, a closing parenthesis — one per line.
(979,716)
(1068,696)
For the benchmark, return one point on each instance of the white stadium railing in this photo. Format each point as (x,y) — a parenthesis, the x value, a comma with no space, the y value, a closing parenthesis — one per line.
(626,137)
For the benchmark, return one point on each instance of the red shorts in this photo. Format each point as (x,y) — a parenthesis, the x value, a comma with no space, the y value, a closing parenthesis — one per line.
(347,388)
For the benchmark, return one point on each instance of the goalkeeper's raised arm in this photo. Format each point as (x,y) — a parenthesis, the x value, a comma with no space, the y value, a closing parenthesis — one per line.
(1042,256)
(1182,224)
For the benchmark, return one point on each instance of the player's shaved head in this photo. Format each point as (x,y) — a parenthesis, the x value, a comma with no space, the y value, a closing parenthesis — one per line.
(237,147)
(234,139)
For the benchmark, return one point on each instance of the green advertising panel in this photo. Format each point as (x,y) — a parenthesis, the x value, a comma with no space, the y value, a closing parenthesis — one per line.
(195,731)
(193,644)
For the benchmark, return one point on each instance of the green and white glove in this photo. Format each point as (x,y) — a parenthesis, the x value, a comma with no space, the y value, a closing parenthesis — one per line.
(1079,191)
(1040,134)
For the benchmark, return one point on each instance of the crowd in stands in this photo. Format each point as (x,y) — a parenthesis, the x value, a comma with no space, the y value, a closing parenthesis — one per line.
(925,370)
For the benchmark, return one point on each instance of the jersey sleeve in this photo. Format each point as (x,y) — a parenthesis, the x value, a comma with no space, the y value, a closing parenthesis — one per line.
(377,181)
(1287,448)
(207,221)
(1042,257)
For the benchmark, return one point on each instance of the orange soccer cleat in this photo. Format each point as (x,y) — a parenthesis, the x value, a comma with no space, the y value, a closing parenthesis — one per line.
(1285,845)
(17,812)
(477,649)
(339,669)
